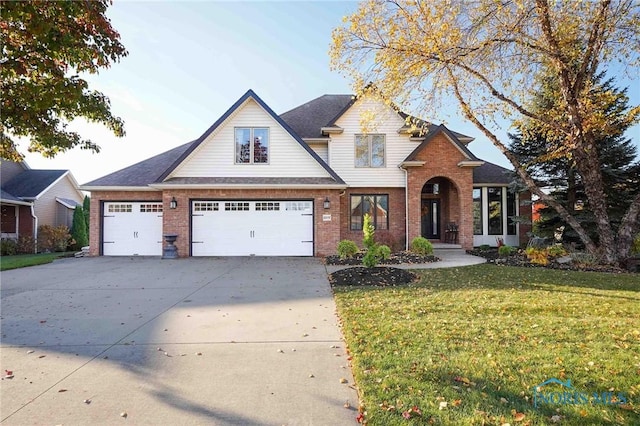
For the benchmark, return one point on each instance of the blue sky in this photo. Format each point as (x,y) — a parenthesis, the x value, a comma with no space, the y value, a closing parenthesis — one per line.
(190,61)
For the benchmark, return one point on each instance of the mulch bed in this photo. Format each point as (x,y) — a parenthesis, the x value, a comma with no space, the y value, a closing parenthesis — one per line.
(395,259)
(379,276)
(520,259)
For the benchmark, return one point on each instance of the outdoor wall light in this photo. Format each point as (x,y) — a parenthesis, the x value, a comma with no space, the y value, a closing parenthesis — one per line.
(327,203)
(174,203)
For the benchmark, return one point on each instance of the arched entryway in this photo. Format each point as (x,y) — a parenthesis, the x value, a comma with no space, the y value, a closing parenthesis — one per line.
(440,210)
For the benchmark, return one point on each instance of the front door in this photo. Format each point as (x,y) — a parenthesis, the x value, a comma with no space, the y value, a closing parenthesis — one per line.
(431,218)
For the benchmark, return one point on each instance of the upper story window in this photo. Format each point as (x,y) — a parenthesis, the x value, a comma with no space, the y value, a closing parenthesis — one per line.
(252,145)
(369,151)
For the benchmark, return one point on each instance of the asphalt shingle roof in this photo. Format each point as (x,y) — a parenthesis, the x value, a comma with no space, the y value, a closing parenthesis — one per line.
(144,172)
(307,119)
(30,183)
(492,173)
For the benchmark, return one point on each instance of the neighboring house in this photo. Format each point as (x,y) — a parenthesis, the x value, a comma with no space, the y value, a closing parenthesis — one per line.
(31,198)
(256,183)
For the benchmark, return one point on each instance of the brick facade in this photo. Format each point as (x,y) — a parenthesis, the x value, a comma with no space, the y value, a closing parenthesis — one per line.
(394,237)
(441,161)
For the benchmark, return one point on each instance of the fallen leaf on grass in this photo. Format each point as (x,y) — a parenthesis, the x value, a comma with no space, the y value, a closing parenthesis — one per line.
(518,417)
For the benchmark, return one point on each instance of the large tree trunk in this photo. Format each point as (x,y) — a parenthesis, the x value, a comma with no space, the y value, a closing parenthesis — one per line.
(588,166)
(627,229)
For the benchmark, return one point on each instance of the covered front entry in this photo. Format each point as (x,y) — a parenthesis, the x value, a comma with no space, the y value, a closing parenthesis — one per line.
(246,228)
(439,212)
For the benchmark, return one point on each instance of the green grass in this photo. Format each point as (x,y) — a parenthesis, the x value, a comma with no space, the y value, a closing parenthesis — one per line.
(24,260)
(481,338)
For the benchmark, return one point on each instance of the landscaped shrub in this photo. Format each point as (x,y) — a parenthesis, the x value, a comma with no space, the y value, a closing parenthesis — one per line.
(505,251)
(53,238)
(484,247)
(384,251)
(372,256)
(537,255)
(635,246)
(79,229)
(584,260)
(8,247)
(347,248)
(421,246)
(556,250)
(26,244)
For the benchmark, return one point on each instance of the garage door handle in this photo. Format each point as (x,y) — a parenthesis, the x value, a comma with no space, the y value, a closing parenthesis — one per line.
(307,214)
(135,234)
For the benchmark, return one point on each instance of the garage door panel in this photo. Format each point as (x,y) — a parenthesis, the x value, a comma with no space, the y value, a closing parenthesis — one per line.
(132,228)
(261,228)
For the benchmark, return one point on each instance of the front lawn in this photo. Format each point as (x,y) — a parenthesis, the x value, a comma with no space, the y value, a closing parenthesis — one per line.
(467,346)
(24,260)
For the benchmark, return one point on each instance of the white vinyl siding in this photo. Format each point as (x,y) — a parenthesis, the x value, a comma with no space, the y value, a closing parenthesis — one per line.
(46,207)
(215,156)
(397,146)
(322,149)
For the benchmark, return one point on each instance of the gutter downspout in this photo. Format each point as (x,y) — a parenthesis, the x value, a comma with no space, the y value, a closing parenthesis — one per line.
(35,229)
(406,207)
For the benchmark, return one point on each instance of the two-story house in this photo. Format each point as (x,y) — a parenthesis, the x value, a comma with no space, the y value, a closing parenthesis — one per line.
(295,184)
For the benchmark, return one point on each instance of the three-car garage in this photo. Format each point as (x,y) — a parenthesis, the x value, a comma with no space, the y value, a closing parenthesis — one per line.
(217,228)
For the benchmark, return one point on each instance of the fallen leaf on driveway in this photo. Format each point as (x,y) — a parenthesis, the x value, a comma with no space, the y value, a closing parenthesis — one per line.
(61,390)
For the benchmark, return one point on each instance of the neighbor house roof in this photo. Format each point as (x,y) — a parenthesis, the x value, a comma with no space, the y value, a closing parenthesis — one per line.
(30,184)
(5,197)
(492,173)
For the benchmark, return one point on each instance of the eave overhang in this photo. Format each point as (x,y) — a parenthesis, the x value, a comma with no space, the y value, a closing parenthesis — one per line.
(470,163)
(413,163)
(117,188)
(331,130)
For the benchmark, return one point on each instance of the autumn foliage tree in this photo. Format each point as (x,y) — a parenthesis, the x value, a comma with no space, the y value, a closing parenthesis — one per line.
(490,56)
(46,46)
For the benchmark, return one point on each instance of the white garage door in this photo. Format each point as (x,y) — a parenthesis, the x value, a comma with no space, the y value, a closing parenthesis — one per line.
(132,228)
(244,228)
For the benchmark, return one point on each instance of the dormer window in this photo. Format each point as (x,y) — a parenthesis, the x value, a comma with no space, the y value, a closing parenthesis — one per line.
(369,151)
(252,145)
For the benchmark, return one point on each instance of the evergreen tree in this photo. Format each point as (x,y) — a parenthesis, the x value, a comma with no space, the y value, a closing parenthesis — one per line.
(86,209)
(79,229)
(538,152)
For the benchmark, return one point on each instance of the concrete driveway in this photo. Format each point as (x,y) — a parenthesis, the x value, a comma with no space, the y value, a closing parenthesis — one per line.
(242,341)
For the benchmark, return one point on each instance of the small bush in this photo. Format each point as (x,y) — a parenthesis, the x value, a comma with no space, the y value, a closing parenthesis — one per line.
(583,259)
(368,232)
(371,258)
(8,247)
(421,246)
(484,247)
(384,252)
(537,255)
(26,244)
(635,246)
(556,250)
(53,238)
(347,249)
(505,251)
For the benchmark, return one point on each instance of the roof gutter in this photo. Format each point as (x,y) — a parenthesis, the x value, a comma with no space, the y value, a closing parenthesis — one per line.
(161,186)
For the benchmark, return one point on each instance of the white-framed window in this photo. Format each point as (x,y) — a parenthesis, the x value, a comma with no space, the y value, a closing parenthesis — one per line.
(267,206)
(236,206)
(370,150)
(298,206)
(151,208)
(205,206)
(252,145)
(120,208)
